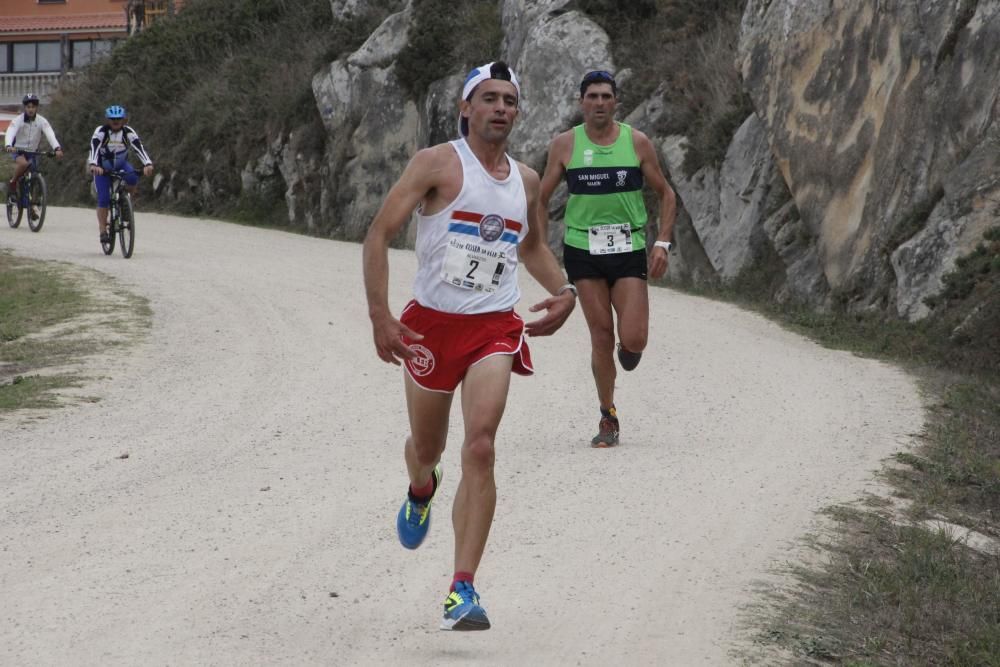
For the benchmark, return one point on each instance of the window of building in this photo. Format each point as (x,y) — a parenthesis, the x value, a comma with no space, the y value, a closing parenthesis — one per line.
(81,54)
(49,57)
(102,47)
(36,57)
(88,51)
(4,58)
(24,57)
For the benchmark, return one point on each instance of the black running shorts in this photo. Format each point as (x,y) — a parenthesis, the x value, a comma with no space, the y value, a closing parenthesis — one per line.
(580,264)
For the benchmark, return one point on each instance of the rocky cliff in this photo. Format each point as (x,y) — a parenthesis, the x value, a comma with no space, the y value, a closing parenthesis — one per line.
(882,121)
(869,166)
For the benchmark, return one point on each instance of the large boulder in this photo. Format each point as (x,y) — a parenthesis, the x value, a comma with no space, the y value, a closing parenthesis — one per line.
(869,109)
(372,125)
(969,206)
(558,48)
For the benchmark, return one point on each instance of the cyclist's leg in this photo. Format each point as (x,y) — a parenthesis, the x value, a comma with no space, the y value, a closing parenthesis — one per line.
(131,176)
(20,166)
(102,183)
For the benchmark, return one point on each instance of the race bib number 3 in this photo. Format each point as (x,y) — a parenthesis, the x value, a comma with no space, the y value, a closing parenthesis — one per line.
(610,239)
(470,266)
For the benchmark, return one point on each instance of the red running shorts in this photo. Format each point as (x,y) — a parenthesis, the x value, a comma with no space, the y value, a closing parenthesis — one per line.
(452,343)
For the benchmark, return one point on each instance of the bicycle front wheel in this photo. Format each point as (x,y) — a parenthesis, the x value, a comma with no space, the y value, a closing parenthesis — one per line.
(38,195)
(126,226)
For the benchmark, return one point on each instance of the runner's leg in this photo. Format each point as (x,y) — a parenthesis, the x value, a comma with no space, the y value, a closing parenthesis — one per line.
(630,298)
(428,411)
(595,299)
(484,397)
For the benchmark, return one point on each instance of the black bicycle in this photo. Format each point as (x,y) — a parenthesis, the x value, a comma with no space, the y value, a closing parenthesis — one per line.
(31,195)
(121,218)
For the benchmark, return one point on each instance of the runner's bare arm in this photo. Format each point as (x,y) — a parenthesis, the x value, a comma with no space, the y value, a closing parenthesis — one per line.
(559,153)
(538,259)
(417,180)
(653,175)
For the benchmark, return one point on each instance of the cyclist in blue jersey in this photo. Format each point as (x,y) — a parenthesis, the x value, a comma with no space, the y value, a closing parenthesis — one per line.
(109,152)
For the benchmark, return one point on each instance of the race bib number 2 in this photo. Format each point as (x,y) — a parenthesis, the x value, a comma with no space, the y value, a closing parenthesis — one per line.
(610,239)
(470,266)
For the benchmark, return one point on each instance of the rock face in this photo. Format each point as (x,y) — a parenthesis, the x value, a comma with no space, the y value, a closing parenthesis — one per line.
(558,48)
(870,109)
(871,164)
(373,126)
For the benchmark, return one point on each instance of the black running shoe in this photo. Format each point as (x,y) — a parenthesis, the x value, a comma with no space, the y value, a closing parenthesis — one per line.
(628,360)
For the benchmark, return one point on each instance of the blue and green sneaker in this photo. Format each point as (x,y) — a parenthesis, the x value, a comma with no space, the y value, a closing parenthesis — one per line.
(414,518)
(462,610)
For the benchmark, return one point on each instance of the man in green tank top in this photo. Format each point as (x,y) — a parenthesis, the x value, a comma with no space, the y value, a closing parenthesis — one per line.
(605,164)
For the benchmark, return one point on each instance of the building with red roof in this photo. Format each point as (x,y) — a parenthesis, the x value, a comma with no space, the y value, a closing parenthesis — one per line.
(41,40)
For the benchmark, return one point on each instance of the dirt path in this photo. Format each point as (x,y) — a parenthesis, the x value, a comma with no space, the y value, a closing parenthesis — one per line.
(252,522)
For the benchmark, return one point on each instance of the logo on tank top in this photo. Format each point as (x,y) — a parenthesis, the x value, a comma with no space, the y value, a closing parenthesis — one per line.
(588,157)
(491,227)
(621,174)
(423,363)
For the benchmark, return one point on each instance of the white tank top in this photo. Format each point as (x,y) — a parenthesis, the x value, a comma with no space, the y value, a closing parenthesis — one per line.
(467,253)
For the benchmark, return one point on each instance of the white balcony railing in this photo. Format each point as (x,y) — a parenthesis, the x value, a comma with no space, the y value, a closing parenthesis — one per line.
(14,86)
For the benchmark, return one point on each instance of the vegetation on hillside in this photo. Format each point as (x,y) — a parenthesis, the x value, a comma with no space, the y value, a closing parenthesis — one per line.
(446,37)
(208,89)
(690,47)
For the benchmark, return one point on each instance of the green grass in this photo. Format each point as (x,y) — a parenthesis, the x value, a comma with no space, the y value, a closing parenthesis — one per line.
(35,295)
(890,594)
(52,316)
(35,391)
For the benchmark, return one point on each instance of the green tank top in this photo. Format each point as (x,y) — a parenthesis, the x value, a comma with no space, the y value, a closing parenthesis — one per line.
(605,187)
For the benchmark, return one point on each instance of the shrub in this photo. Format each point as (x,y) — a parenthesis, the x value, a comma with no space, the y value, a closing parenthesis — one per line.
(446,38)
(221,78)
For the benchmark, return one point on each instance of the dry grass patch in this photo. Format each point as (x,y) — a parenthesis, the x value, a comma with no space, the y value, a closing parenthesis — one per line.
(53,317)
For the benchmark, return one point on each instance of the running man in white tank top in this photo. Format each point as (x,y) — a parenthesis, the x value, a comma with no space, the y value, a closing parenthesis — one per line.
(476,224)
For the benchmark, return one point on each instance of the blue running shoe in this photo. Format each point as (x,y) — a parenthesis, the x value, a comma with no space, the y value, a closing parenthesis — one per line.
(414,519)
(462,610)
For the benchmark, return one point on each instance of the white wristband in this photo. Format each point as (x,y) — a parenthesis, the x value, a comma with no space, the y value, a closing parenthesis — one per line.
(568,287)
(666,245)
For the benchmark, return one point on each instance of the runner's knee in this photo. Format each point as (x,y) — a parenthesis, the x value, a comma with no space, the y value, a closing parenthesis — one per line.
(602,339)
(634,342)
(479,451)
(427,452)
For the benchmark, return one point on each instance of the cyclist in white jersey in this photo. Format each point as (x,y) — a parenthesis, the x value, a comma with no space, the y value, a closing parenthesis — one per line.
(109,149)
(25,134)
(476,224)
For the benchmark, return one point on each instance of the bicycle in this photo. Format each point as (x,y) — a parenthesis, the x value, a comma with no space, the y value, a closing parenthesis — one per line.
(121,218)
(32,194)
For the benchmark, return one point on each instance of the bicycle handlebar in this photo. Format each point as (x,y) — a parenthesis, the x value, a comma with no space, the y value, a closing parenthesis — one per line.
(45,153)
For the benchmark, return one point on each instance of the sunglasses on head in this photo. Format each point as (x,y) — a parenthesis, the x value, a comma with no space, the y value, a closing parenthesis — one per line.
(599,75)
